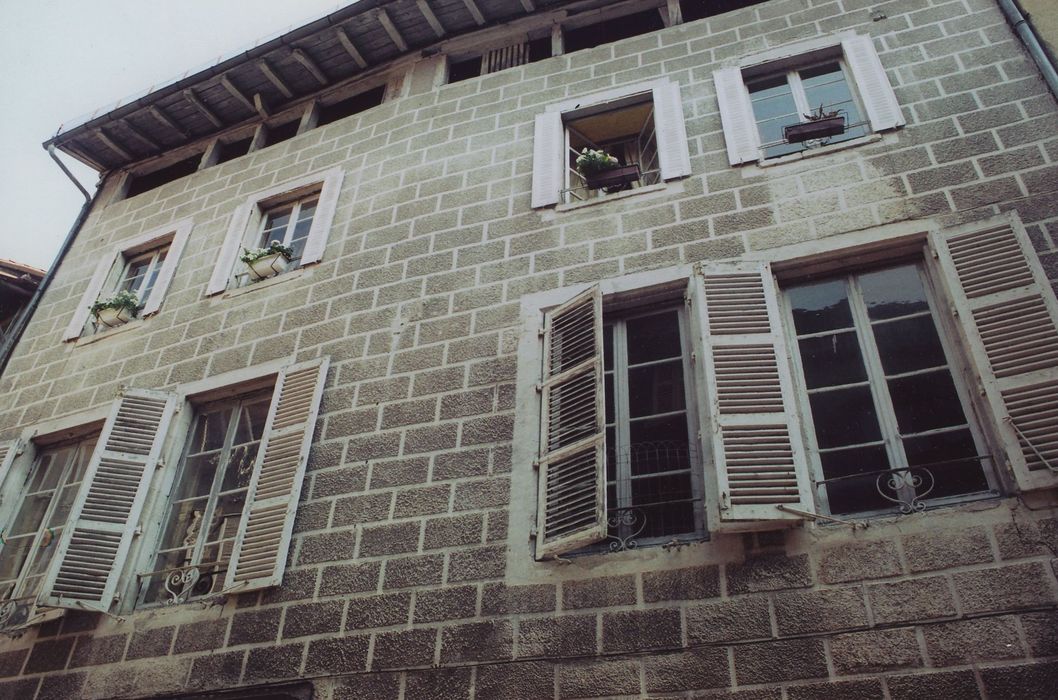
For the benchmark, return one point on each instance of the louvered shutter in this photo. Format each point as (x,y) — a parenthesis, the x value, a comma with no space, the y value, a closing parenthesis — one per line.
(225,266)
(736,115)
(9,449)
(1010,317)
(260,552)
(758,453)
(671,131)
(876,93)
(549,144)
(571,506)
(505,57)
(104,517)
(165,275)
(323,219)
(91,293)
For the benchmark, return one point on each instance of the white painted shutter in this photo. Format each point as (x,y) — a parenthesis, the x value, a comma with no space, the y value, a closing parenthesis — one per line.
(91,293)
(549,144)
(323,219)
(876,93)
(224,269)
(9,449)
(571,506)
(1010,317)
(105,515)
(736,115)
(671,132)
(260,552)
(165,275)
(758,453)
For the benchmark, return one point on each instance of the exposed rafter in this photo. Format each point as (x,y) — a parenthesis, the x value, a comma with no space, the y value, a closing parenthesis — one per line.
(237,93)
(261,106)
(206,112)
(112,145)
(350,47)
(474,11)
(273,77)
(431,18)
(305,60)
(528,5)
(151,143)
(391,29)
(166,120)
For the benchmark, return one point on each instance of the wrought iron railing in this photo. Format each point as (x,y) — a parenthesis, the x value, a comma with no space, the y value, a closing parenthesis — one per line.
(181,584)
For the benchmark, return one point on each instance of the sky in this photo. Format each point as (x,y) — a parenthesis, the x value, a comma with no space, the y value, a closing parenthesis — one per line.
(62,58)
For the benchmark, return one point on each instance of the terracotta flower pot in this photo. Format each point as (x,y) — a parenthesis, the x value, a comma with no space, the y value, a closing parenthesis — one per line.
(268,266)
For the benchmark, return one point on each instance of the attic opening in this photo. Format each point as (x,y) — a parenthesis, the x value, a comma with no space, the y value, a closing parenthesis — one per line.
(351,105)
(610,30)
(700,9)
(163,176)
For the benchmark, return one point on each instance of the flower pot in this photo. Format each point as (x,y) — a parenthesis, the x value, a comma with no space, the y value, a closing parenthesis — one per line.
(268,266)
(114,317)
(614,177)
(819,129)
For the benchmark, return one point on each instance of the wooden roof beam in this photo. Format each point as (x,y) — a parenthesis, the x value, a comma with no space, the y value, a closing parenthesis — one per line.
(206,112)
(305,60)
(431,18)
(528,5)
(156,112)
(151,143)
(112,145)
(391,29)
(260,106)
(475,12)
(237,94)
(274,78)
(350,48)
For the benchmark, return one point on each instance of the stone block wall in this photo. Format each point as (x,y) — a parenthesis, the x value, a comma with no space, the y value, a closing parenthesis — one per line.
(398,582)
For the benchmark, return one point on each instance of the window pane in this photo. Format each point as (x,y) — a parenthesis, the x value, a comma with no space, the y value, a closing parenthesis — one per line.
(48,470)
(197,476)
(184,526)
(925,402)
(275,226)
(226,515)
(894,292)
(656,389)
(240,466)
(966,476)
(822,306)
(607,347)
(844,417)
(855,494)
(30,514)
(832,360)
(653,338)
(675,512)
(152,276)
(14,556)
(609,391)
(252,418)
(210,430)
(827,85)
(908,344)
(658,444)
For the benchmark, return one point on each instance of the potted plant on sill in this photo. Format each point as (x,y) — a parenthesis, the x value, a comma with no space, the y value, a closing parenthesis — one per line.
(267,262)
(820,125)
(603,171)
(116,310)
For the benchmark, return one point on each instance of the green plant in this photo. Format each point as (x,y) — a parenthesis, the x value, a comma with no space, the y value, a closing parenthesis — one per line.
(122,300)
(274,248)
(592,161)
(820,115)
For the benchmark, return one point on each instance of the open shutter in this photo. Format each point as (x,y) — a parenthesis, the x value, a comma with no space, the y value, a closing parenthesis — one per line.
(323,219)
(104,517)
(9,449)
(165,275)
(1010,318)
(91,293)
(736,115)
(872,83)
(571,506)
(671,132)
(260,552)
(549,144)
(223,270)
(758,453)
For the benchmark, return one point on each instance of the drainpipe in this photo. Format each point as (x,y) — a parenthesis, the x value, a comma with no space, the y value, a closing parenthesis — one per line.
(20,324)
(1028,37)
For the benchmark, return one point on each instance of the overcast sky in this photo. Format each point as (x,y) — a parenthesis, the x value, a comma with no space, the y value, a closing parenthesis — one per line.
(61,59)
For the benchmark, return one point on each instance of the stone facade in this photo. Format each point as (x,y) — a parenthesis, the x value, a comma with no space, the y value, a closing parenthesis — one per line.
(399,580)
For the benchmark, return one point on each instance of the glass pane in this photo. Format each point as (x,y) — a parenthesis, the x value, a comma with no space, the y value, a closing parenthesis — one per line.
(826,85)
(240,467)
(62,508)
(226,515)
(210,430)
(30,514)
(771,97)
(252,418)
(609,391)
(184,527)
(823,306)
(81,460)
(894,292)
(134,275)
(909,344)
(656,389)
(611,456)
(658,444)
(844,417)
(275,226)
(855,494)
(152,276)
(197,476)
(49,469)
(961,476)
(607,347)
(13,556)
(668,517)
(653,338)
(925,402)
(832,360)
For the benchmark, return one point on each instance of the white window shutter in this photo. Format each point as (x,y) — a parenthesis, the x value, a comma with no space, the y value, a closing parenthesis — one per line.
(91,293)
(105,515)
(549,159)
(758,452)
(671,132)
(736,115)
(322,221)
(1010,317)
(165,275)
(571,506)
(260,551)
(872,83)
(9,449)
(229,252)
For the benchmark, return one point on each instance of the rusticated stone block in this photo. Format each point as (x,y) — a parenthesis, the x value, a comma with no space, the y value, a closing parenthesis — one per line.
(11,661)
(598,678)
(371,686)
(691,670)
(413,571)
(63,687)
(773,662)
(801,612)
(298,584)
(378,611)
(1005,588)
(364,508)
(330,546)
(501,599)
(846,690)
(1032,681)
(199,636)
(273,662)
(439,604)
(477,641)
(874,651)
(350,578)
(447,683)
(19,689)
(477,564)
(1041,632)
(557,637)
(770,572)
(406,648)
(681,584)
(50,655)
(453,532)
(599,592)
(216,670)
(389,539)
(313,618)
(634,630)
(948,684)
(916,599)
(337,655)
(147,643)
(729,620)
(858,562)
(969,641)
(933,551)
(519,681)
(254,626)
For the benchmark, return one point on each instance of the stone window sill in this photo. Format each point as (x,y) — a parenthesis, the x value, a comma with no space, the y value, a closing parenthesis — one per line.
(110,332)
(264,284)
(571,206)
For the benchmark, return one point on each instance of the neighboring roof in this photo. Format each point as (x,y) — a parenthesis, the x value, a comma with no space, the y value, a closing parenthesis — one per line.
(282,69)
(19,276)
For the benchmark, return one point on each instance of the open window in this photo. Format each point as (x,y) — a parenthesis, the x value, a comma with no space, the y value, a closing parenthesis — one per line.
(147,181)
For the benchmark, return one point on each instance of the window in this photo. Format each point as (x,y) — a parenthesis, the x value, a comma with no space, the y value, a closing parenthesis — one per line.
(766,100)
(144,266)
(610,30)
(464,67)
(887,415)
(700,9)
(351,105)
(642,126)
(138,184)
(297,213)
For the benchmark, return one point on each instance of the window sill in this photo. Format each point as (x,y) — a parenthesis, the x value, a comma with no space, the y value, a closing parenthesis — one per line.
(110,332)
(264,284)
(571,206)
(822,151)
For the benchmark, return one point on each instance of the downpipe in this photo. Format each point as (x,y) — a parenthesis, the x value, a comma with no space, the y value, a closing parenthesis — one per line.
(1028,37)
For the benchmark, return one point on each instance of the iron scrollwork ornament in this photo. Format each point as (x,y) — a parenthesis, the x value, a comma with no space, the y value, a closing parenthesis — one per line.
(625,519)
(180,583)
(916,482)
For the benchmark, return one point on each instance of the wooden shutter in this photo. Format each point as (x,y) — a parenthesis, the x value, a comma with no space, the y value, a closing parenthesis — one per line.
(549,159)
(105,515)
(229,252)
(165,275)
(758,452)
(9,449)
(505,57)
(671,132)
(260,552)
(876,93)
(1010,317)
(571,507)
(91,293)
(736,115)
(323,219)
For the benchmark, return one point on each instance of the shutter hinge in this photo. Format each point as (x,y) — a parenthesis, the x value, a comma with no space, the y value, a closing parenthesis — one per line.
(724,504)
(137,532)
(539,388)
(536,465)
(694,358)
(540,332)
(532,532)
